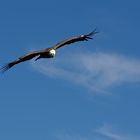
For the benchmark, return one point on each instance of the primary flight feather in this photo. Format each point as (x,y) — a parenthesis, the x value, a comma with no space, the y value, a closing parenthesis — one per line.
(49,52)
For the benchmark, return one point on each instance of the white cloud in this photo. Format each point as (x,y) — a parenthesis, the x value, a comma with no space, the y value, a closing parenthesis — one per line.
(105,132)
(108,131)
(71,137)
(96,71)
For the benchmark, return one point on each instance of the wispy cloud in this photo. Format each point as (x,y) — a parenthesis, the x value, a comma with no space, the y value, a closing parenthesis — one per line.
(105,132)
(108,131)
(95,71)
(67,136)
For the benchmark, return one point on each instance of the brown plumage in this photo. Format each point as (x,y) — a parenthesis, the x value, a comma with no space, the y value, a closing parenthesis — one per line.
(49,52)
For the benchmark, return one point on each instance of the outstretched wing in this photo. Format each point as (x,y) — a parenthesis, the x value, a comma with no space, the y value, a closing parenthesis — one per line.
(31,55)
(75,39)
(23,58)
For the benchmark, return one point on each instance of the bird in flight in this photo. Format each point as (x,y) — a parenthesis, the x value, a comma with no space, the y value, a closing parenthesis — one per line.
(49,52)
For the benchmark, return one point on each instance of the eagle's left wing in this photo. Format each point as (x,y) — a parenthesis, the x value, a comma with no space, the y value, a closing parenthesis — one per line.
(75,39)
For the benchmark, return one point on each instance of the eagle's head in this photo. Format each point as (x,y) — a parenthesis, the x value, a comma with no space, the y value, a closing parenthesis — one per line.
(52,53)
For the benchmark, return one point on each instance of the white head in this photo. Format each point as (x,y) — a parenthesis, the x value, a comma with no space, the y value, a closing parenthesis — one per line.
(52,52)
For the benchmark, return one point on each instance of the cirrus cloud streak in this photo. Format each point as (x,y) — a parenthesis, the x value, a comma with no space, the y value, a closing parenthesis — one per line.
(95,71)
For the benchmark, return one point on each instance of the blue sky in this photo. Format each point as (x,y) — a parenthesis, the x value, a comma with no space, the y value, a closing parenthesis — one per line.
(90,90)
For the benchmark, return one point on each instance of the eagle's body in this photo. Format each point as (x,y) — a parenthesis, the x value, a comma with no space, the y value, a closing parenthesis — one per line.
(49,52)
(46,54)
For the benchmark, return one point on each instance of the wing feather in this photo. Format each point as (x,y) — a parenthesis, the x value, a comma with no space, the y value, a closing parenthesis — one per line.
(75,39)
(23,58)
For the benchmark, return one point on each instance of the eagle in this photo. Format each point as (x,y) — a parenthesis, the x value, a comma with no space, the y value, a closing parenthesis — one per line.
(49,52)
